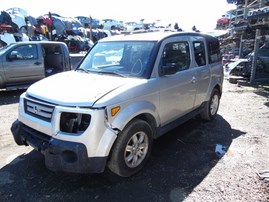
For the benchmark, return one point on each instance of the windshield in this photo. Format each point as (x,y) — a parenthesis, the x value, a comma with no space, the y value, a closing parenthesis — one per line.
(264,51)
(124,58)
(4,48)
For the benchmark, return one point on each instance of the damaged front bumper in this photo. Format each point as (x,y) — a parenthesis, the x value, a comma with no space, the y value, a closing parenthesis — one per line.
(59,155)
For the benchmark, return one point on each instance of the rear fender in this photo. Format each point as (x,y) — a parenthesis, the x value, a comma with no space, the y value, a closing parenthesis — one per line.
(214,84)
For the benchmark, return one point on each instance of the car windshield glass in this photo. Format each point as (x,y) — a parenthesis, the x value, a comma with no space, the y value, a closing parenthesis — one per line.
(125,58)
(264,51)
(4,48)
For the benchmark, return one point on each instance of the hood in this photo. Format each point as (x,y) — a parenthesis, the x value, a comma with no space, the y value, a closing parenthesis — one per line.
(75,88)
(234,64)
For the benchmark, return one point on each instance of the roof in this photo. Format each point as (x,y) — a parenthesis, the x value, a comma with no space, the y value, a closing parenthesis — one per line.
(150,36)
(40,42)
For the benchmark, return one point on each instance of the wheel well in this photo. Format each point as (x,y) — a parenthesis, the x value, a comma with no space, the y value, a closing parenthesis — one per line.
(150,120)
(218,88)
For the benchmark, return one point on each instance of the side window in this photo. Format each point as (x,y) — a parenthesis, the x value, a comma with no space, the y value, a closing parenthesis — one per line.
(199,52)
(24,52)
(178,54)
(214,51)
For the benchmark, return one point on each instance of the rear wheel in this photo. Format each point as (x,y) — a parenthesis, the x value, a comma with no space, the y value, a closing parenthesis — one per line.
(212,106)
(131,149)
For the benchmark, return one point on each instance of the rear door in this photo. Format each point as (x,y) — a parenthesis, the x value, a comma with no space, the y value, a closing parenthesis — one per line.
(23,64)
(202,78)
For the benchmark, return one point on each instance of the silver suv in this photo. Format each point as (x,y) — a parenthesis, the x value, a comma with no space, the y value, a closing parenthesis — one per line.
(126,92)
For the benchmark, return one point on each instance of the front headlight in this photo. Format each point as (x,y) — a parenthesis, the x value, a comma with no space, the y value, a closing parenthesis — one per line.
(74,122)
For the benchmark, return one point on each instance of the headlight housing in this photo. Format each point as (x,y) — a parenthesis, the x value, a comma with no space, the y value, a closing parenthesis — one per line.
(74,122)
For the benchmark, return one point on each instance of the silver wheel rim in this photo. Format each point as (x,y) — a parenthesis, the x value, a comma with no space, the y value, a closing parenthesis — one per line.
(136,149)
(214,105)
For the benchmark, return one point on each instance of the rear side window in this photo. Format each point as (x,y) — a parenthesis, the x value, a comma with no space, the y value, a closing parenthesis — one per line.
(214,51)
(199,52)
(178,54)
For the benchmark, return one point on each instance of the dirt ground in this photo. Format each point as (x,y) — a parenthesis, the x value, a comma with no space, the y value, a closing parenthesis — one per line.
(198,161)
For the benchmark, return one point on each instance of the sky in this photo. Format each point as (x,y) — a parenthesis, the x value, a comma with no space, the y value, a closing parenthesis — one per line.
(187,13)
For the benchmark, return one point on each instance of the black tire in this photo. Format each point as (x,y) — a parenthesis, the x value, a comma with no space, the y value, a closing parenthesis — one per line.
(16,129)
(233,80)
(212,106)
(131,149)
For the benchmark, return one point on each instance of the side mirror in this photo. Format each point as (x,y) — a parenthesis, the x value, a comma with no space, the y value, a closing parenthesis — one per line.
(168,69)
(13,56)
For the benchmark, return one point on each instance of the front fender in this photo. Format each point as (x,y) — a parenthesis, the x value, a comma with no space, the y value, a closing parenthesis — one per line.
(126,114)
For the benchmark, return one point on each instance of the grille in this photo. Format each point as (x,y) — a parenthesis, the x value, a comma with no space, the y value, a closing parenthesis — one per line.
(39,109)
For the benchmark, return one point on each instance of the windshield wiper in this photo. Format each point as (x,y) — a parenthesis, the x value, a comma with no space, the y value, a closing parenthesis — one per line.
(84,70)
(111,72)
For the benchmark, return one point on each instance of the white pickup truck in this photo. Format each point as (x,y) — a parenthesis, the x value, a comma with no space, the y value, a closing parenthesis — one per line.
(127,91)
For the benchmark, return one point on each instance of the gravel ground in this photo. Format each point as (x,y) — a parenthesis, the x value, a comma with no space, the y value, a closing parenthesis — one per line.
(234,178)
(212,161)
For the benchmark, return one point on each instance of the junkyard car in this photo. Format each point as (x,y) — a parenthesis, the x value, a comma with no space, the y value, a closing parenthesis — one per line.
(23,63)
(237,67)
(110,24)
(127,91)
(262,61)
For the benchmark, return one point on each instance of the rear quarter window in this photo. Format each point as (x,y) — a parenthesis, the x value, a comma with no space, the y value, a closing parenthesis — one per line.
(214,51)
(199,52)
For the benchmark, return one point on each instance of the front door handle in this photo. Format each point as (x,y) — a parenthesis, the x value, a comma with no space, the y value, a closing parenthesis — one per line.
(37,63)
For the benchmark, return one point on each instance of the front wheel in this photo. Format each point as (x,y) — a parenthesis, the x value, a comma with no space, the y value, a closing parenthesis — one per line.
(131,149)
(212,106)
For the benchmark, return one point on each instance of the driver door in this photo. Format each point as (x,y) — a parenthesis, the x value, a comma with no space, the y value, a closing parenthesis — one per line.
(22,64)
(178,90)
